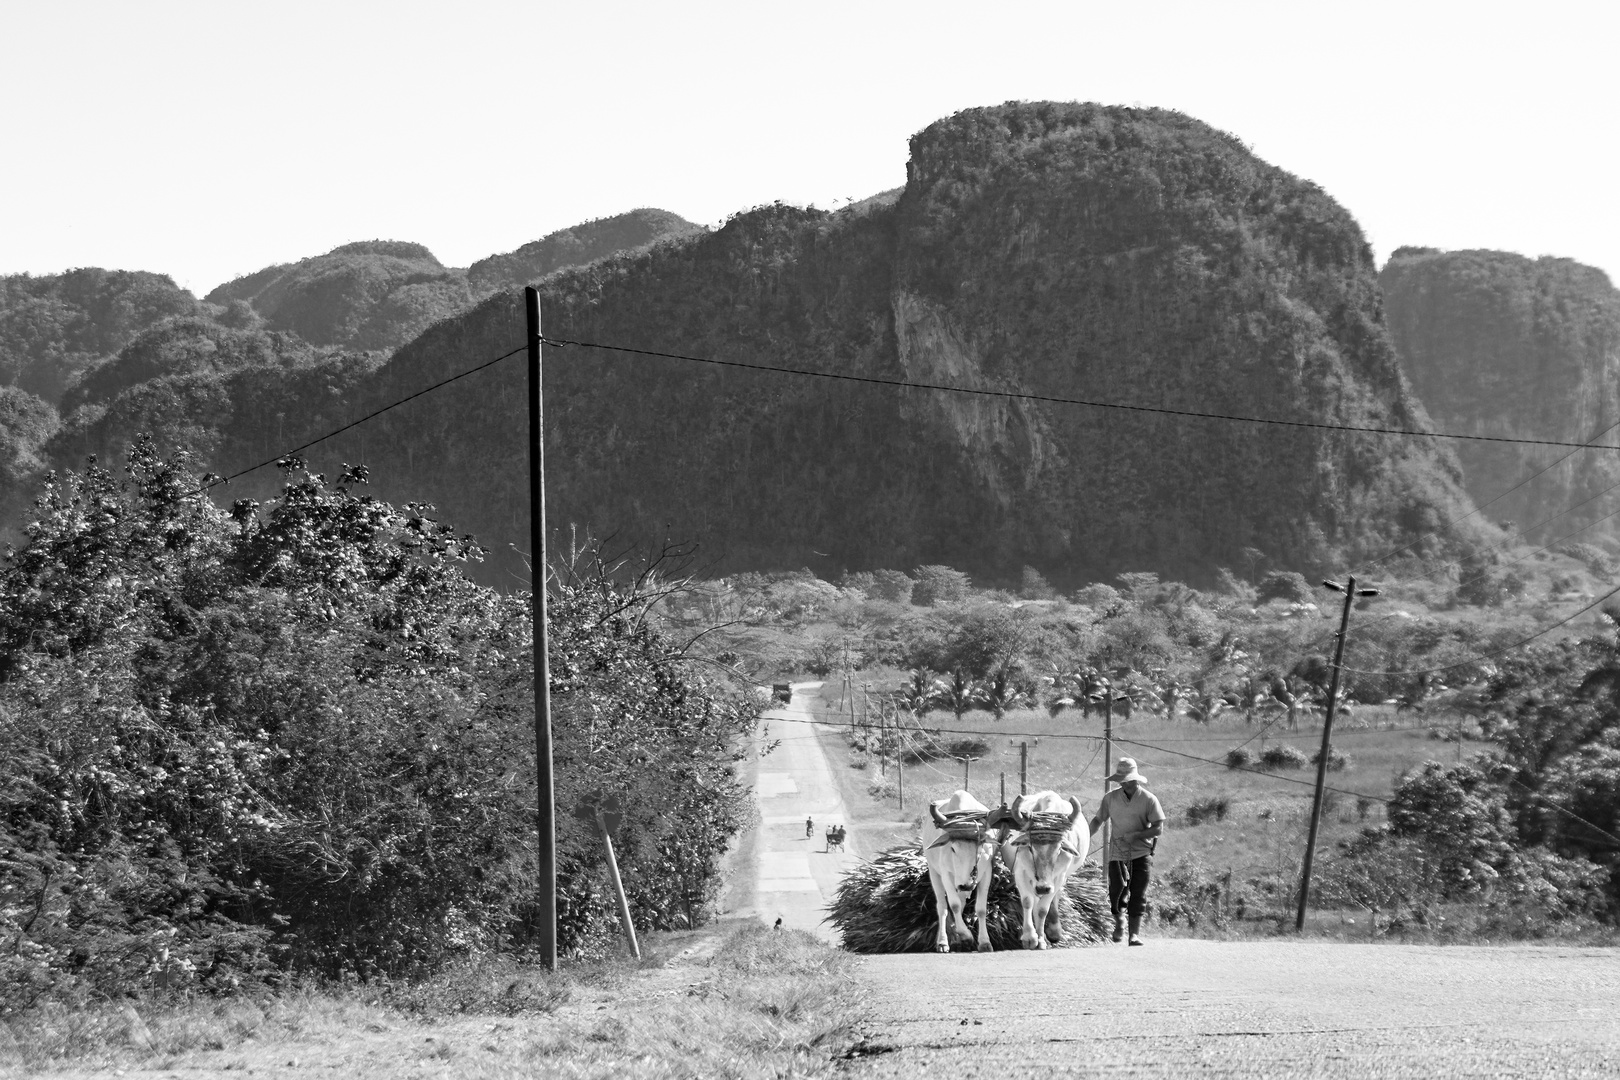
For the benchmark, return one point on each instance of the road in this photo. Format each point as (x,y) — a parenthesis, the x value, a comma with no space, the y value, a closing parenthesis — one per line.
(1179,1006)
(1182,1007)
(794,874)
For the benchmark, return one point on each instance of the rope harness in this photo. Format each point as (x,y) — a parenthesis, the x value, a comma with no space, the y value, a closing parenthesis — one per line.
(968,825)
(1048,828)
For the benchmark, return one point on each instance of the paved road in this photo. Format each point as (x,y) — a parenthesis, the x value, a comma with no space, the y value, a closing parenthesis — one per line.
(795,875)
(1182,1007)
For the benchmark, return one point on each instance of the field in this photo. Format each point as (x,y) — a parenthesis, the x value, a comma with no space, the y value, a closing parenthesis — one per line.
(1256,822)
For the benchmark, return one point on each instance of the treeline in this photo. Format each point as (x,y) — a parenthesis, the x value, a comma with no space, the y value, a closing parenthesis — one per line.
(296,737)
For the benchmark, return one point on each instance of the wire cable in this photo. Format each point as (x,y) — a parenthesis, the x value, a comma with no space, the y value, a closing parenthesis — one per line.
(356,423)
(1051,399)
(1591,443)
(1497,652)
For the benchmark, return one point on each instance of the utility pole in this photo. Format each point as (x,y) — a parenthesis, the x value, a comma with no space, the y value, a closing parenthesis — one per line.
(546,854)
(1108,764)
(1350,594)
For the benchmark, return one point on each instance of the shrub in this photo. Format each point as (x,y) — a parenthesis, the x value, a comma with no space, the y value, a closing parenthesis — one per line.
(1216,807)
(1190,892)
(302,738)
(1338,760)
(1239,757)
(1285,585)
(1283,756)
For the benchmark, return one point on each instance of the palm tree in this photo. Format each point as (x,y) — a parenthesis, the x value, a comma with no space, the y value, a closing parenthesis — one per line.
(959,694)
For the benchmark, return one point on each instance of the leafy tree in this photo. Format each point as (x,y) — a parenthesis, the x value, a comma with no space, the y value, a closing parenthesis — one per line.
(893,586)
(937,585)
(298,736)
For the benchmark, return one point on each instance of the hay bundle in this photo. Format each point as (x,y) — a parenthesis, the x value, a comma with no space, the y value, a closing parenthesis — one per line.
(887,906)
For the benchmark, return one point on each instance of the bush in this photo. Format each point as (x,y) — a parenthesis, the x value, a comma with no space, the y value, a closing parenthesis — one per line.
(1283,756)
(301,738)
(1285,585)
(1239,757)
(1338,760)
(1190,892)
(1216,807)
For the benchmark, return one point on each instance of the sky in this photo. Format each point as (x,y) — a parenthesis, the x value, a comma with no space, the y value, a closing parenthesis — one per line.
(206,141)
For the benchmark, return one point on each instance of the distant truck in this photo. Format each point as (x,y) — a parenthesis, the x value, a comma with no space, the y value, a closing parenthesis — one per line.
(782,692)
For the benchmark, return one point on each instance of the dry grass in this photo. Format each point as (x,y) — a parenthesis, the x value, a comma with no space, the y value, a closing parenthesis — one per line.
(764,1004)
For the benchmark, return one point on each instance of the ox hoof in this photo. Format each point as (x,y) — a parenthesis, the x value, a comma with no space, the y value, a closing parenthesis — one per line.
(1055,937)
(942,948)
(984,946)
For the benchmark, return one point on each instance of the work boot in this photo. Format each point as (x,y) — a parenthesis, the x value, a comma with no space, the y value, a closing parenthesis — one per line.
(1119,929)
(1136,924)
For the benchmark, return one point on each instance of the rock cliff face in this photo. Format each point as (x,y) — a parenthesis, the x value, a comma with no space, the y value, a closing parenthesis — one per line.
(1114,255)
(1129,257)
(1498,344)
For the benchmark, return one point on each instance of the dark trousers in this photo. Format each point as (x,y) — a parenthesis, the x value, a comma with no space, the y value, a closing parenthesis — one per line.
(1128,885)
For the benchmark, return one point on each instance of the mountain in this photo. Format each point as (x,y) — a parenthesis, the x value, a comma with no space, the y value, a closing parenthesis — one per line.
(1495,343)
(1123,256)
(1135,257)
(577,246)
(55,326)
(377,294)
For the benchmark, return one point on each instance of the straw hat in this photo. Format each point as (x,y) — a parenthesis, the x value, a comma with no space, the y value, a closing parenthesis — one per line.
(1125,771)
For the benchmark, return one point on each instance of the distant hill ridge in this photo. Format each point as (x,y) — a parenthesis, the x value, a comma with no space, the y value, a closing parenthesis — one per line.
(1067,250)
(579,245)
(1499,344)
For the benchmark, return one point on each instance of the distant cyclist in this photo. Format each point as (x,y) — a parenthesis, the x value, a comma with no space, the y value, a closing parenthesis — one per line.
(809,828)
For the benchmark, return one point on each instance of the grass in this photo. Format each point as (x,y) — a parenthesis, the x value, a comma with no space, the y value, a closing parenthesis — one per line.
(1260,838)
(764,1004)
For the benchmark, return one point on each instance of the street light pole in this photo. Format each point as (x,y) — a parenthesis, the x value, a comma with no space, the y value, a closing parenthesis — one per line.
(1351,593)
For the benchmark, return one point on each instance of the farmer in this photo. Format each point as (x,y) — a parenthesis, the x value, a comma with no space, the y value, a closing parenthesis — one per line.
(809,827)
(1138,820)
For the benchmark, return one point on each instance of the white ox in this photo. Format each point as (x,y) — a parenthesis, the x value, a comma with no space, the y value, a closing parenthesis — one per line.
(960,857)
(1051,841)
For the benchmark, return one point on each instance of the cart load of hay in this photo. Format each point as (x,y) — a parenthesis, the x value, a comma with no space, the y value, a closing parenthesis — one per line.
(887,906)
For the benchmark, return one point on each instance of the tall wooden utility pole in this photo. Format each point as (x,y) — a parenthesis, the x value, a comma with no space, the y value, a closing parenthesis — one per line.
(544,787)
(1108,763)
(1350,594)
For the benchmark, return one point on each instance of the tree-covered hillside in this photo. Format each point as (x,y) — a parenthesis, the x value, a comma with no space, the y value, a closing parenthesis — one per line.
(577,246)
(375,294)
(1128,256)
(1499,344)
(55,326)
(1136,257)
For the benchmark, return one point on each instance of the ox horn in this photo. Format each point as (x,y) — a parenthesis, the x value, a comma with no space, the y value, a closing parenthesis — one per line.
(933,812)
(1074,815)
(1017,812)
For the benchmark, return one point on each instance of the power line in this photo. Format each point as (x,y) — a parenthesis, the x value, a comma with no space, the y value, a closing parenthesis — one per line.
(1534,794)
(1591,443)
(1498,652)
(1247,769)
(356,423)
(1020,396)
